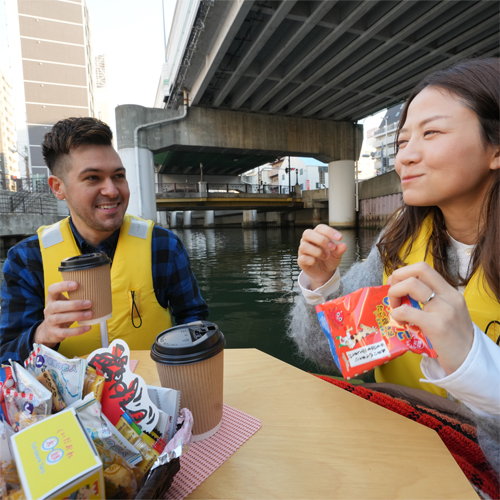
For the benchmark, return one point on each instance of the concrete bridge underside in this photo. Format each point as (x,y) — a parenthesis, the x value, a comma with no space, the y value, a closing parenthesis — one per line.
(231,143)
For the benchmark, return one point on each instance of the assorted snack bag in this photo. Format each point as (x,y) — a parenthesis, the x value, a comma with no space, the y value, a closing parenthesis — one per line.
(362,334)
(144,428)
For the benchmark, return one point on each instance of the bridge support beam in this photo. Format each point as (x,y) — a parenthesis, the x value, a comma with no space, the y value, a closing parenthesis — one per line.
(141,181)
(316,216)
(249,218)
(209,219)
(341,194)
(187,218)
(161,217)
(173,220)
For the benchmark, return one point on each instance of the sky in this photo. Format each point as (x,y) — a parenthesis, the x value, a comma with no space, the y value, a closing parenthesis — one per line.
(130,33)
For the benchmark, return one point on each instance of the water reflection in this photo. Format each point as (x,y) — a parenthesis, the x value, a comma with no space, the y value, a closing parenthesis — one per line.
(248,277)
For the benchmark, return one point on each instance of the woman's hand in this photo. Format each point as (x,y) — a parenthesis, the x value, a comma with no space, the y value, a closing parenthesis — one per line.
(320,253)
(444,319)
(60,313)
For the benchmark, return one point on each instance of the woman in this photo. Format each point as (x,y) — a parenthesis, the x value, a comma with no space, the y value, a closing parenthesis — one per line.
(442,247)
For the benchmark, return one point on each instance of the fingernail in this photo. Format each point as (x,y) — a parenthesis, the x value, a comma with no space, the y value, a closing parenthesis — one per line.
(337,235)
(87,303)
(331,246)
(72,284)
(87,314)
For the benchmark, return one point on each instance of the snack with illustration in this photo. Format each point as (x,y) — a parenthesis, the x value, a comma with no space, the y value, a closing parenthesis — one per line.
(362,334)
(102,394)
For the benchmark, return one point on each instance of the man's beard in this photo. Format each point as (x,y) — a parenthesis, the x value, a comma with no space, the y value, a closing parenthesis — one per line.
(111,224)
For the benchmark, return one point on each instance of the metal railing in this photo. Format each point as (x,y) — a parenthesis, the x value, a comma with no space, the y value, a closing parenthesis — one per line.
(32,203)
(192,187)
(32,185)
(28,196)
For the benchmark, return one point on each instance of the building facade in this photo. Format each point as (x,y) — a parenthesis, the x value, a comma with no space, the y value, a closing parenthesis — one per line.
(385,138)
(51,68)
(8,154)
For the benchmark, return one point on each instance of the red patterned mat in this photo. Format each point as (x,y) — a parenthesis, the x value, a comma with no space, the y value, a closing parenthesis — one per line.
(460,437)
(204,457)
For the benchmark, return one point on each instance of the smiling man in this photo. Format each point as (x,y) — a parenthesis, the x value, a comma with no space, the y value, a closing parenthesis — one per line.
(151,274)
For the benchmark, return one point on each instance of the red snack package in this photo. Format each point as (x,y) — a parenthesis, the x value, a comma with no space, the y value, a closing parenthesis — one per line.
(362,334)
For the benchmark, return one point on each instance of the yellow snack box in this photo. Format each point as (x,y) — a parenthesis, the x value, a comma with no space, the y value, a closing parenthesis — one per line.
(56,459)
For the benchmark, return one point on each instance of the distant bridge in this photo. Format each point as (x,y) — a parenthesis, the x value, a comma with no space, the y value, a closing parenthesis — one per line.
(187,196)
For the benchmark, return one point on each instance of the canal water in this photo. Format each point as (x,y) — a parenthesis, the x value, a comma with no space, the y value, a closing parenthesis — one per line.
(249,279)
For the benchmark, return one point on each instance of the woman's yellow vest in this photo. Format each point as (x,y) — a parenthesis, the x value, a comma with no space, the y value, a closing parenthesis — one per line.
(483,309)
(131,271)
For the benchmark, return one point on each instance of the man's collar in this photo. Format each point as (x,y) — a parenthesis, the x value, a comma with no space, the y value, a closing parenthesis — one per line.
(86,247)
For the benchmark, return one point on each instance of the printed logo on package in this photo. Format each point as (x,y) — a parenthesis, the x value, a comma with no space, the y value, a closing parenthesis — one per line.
(123,390)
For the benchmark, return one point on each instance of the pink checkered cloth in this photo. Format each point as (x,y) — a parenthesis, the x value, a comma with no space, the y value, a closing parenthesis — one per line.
(204,457)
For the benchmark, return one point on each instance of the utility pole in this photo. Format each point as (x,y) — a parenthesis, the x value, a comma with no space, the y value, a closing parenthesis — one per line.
(289,177)
(385,164)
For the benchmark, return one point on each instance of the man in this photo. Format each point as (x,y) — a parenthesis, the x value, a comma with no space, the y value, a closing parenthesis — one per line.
(150,272)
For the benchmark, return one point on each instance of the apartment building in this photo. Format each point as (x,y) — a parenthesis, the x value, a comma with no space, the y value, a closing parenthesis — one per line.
(8,152)
(385,137)
(52,71)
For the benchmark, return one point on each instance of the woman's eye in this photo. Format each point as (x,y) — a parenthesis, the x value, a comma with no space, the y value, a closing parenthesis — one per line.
(401,144)
(430,132)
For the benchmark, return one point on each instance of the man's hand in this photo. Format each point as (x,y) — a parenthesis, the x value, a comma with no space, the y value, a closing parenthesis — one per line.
(60,313)
(320,253)
(444,318)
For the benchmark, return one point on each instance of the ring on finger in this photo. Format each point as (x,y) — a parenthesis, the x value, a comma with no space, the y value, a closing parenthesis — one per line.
(432,295)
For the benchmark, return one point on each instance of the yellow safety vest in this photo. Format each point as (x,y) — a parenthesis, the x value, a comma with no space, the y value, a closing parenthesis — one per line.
(131,270)
(483,309)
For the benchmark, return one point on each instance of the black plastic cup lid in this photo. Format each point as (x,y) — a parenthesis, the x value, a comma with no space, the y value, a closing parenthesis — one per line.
(83,262)
(188,343)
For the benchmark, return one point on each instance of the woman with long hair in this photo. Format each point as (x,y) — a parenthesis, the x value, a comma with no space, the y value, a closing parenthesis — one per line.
(441,248)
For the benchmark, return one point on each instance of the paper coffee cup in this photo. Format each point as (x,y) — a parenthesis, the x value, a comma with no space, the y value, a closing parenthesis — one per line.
(190,359)
(92,272)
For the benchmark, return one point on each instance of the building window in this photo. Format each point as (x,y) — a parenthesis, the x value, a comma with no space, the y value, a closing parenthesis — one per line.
(283,177)
(321,177)
(301,171)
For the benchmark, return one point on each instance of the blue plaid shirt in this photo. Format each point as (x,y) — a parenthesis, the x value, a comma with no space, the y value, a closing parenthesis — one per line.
(23,291)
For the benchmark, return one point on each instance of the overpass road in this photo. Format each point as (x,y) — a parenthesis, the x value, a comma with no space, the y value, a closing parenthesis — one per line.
(249,81)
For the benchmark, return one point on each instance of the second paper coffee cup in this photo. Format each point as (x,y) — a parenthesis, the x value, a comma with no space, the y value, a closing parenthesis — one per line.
(92,272)
(190,359)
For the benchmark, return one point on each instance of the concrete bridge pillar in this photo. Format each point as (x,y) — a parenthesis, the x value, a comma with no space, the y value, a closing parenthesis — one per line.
(316,216)
(161,217)
(187,218)
(209,219)
(341,194)
(290,219)
(141,181)
(173,220)
(249,218)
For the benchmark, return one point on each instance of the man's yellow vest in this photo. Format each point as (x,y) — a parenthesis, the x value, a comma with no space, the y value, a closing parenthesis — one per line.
(483,309)
(131,271)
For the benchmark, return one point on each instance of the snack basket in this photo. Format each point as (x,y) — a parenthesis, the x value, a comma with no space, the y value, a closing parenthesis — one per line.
(156,484)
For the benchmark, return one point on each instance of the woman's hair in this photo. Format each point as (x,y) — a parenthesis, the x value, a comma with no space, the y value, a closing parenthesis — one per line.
(476,83)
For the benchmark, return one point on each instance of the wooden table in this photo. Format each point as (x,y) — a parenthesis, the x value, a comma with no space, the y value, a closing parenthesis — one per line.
(319,441)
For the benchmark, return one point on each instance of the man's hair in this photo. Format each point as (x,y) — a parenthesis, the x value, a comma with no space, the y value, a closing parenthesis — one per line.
(69,134)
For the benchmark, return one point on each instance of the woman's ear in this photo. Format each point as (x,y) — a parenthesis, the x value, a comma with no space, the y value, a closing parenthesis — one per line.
(57,186)
(495,163)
